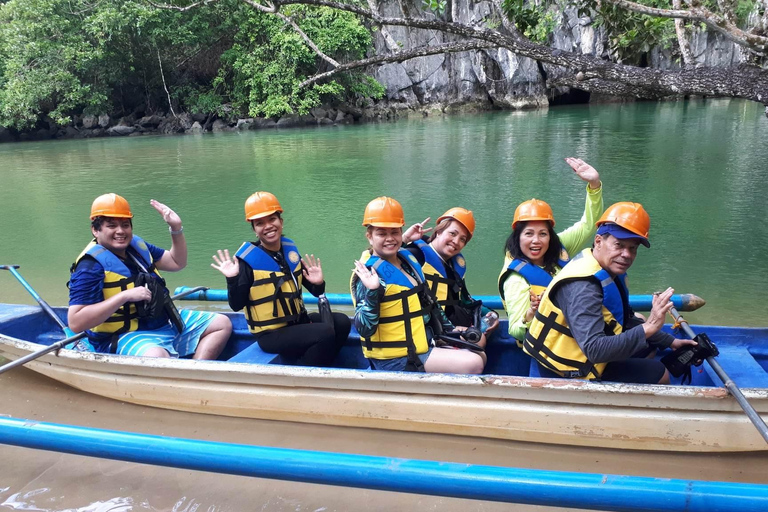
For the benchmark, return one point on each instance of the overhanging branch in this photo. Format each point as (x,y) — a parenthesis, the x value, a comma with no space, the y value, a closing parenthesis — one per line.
(746,82)
(401,56)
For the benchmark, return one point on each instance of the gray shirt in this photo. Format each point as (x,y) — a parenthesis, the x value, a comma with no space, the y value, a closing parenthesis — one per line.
(581,302)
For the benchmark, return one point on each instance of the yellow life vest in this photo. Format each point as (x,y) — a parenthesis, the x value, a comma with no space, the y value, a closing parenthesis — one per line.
(401,315)
(274,299)
(549,340)
(446,290)
(117,278)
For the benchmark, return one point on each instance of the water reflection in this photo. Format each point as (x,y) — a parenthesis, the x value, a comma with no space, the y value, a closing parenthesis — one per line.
(32,501)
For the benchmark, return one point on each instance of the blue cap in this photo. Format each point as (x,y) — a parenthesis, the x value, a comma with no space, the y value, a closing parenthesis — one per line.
(622,234)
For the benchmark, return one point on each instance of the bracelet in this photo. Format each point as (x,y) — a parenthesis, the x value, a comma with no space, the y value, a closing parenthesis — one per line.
(180,231)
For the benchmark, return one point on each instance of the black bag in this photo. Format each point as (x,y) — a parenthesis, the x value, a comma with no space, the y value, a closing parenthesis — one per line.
(161,305)
(324,309)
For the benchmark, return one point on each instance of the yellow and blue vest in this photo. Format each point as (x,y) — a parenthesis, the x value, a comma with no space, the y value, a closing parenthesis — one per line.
(446,290)
(401,314)
(117,278)
(549,340)
(274,300)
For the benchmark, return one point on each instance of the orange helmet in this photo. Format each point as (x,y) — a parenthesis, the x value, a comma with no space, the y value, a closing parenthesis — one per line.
(260,205)
(533,209)
(462,216)
(111,205)
(630,216)
(384,212)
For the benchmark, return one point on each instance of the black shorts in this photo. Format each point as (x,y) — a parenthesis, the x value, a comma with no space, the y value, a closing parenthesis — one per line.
(636,370)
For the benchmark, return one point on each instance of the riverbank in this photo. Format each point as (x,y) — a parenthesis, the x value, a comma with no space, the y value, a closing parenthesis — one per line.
(141,123)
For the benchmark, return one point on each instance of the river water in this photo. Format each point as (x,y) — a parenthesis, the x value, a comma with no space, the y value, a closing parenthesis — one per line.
(698,168)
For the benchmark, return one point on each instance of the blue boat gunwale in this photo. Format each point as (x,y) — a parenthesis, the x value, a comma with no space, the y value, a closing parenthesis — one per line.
(733,341)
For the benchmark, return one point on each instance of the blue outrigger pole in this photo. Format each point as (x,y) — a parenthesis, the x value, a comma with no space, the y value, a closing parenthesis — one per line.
(448,479)
(683,302)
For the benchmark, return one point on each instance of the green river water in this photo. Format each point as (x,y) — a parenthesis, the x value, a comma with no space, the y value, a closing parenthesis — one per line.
(699,168)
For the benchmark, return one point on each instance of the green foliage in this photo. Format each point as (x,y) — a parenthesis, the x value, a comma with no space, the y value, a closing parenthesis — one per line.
(268,60)
(436,6)
(631,34)
(535,20)
(61,57)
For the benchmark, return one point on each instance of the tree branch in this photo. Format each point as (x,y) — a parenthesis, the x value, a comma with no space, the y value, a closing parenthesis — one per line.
(682,39)
(388,39)
(160,62)
(307,40)
(401,56)
(741,82)
(181,9)
(714,21)
(597,85)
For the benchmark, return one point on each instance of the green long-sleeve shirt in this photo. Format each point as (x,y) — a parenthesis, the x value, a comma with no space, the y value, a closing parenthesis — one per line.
(575,238)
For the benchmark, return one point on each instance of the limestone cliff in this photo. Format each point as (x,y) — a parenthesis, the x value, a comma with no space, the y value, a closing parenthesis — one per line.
(498,78)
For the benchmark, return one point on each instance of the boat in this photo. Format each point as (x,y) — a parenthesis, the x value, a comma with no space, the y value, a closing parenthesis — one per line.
(504,403)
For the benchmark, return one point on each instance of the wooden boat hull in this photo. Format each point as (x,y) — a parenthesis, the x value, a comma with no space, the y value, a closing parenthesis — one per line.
(556,411)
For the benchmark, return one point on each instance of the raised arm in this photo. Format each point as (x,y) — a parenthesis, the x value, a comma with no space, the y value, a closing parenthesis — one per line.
(175,258)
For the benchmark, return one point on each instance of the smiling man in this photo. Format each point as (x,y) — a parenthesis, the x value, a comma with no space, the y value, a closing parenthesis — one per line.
(584,327)
(118,296)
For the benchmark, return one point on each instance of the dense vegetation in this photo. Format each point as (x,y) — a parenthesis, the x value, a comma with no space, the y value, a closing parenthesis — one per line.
(65,57)
(230,58)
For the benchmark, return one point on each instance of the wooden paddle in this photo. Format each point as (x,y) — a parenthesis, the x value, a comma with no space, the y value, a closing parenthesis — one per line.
(731,386)
(71,336)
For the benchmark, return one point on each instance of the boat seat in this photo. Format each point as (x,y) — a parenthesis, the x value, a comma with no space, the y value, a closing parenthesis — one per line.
(740,366)
(253,355)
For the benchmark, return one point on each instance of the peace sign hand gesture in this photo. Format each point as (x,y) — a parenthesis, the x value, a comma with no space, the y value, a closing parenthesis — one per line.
(416,231)
(368,277)
(313,271)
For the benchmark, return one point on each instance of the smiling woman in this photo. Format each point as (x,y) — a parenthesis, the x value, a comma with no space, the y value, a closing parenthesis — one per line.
(535,252)
(395,313)
(444,268)
(266,276)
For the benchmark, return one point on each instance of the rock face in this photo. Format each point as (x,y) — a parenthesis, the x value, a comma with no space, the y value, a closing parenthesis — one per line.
(498,78)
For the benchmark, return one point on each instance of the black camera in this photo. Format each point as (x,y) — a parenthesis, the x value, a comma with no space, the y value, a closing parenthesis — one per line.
(471,334)
(462,339)
(679,362)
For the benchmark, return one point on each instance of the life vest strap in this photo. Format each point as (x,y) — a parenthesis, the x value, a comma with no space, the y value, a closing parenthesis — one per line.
(118,284)
(435,280)
(272,321)
(403,294)
(118,317)
(404,317)
(370,344)
(538,349)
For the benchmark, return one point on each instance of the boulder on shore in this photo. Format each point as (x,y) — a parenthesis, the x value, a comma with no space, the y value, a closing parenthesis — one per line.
(195,128)
(121,130)
(90,122)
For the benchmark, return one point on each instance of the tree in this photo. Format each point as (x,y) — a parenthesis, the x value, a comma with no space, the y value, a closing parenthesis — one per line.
(520,26)
(59,58)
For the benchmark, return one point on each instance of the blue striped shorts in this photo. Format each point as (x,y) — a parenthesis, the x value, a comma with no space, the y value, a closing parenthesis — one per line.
(182,344)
